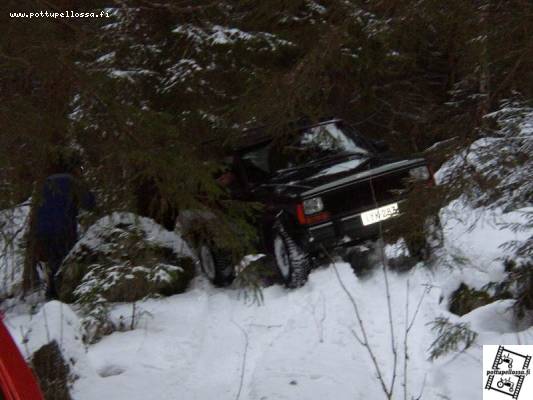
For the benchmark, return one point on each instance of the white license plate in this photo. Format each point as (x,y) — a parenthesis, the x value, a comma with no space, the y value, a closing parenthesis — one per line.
(380,214)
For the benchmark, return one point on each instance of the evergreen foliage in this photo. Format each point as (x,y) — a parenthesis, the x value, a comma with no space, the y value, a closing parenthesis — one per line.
(519,283)
(137,94)
(450,337)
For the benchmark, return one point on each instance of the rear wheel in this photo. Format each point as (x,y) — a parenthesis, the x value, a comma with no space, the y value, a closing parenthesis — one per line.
(362,258)
(429,237)
(294,264)
(418,248)
(216,264)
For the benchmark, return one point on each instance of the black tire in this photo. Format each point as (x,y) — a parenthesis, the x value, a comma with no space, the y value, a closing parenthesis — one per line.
(427,239)
(418,248)
(293,263)
(362,259)
(216,264)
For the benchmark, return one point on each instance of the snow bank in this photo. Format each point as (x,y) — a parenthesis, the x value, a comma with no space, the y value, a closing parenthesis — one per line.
(474,241)
(207,343)
(297,345)
(55,321)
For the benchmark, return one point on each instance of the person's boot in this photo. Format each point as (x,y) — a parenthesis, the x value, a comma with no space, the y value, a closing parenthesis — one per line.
(51,291)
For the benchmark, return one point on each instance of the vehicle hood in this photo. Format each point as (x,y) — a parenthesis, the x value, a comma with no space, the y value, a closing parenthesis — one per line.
(337,171)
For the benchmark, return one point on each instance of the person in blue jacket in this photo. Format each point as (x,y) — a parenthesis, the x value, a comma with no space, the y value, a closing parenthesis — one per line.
(56,222)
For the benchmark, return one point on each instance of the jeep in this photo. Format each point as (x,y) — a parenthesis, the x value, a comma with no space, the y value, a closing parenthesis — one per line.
(323,188)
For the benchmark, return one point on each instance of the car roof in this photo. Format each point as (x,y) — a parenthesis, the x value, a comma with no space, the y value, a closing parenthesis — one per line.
(259,135)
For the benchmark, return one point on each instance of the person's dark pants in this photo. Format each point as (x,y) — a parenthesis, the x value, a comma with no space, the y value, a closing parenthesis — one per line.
(54,250)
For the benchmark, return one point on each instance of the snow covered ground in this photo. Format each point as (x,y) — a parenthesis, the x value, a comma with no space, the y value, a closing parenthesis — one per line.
(299,344)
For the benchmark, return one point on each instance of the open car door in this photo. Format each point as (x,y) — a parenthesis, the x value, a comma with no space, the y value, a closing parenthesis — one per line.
(17,381)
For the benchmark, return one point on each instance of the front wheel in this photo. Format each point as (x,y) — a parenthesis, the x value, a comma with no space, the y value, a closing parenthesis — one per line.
(294,264)
(216,264)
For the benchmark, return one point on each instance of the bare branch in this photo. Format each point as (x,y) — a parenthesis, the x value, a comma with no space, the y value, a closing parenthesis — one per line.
(387,293)
(426,291)
(364,341)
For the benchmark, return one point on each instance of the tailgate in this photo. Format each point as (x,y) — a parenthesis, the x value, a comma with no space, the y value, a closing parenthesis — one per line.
(357,196)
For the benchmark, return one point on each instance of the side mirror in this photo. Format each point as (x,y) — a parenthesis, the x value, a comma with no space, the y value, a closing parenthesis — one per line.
(381,146)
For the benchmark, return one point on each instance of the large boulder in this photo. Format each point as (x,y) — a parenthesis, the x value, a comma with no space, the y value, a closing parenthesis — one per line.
(124,258)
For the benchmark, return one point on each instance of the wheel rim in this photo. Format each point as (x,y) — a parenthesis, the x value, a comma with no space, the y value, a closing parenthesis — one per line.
(282,257)
(208,262)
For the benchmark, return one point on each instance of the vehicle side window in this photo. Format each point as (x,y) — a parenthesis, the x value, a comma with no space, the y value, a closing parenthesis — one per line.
(2,397)
(359,139)
(258,158)
(255,164)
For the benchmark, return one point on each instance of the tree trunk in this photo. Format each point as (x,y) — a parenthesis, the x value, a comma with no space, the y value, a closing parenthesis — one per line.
(484,64)
(30,278)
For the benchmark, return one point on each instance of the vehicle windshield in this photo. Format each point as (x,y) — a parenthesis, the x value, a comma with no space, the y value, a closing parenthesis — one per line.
(316,144)
(329,139)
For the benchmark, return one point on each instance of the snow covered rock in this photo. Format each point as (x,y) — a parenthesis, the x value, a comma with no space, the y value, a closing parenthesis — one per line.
(466,299)
(57,322)
(52,371)
(53,342)
(124,257)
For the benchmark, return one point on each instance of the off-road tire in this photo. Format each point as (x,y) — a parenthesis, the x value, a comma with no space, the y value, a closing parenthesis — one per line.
(418,248)
(293,263)
(221,272)
(363,258)
(422,248)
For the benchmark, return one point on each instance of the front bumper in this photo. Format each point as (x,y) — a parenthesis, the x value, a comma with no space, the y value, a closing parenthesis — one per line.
(347,230)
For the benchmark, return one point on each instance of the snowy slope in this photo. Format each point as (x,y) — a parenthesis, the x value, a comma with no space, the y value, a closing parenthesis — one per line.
(298,344)
(209,343)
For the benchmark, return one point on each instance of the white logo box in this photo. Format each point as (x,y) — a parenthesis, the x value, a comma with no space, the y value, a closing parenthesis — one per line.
(507,372)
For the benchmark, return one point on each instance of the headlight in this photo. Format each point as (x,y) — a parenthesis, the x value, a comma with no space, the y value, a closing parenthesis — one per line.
(419,173)
(313,206)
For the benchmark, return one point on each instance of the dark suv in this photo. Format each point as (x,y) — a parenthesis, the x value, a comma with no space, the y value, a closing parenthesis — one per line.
(323,187)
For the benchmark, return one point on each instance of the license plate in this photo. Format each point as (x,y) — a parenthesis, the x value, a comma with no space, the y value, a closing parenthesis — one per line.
(380,214)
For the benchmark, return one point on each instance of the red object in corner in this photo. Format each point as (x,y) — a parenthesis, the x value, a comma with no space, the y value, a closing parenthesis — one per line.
(17,381)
